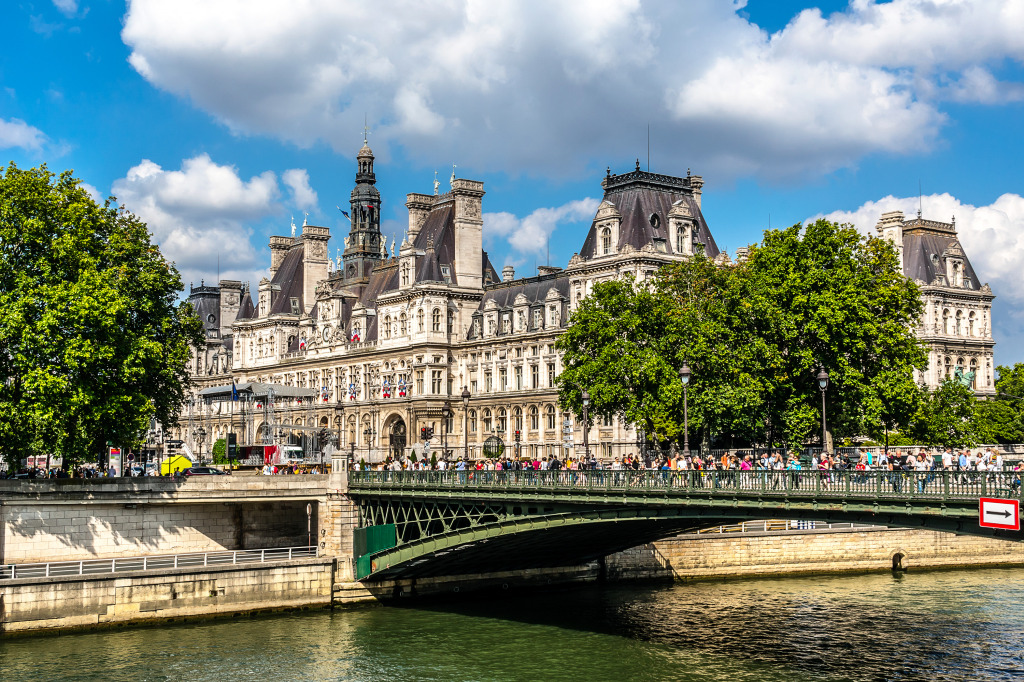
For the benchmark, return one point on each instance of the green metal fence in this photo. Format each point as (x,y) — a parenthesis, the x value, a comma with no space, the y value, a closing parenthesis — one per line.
(880,485)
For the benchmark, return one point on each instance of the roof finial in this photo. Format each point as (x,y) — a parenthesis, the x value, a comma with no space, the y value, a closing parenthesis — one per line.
(452,181)
(293,226)
(436,183)
(305,218)
(638,163)
(608,172)
(366,132)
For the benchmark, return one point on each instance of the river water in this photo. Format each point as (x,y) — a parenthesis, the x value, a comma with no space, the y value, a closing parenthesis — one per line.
(945,625)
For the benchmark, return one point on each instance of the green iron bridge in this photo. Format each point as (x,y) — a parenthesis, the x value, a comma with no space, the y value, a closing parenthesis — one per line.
(419,524)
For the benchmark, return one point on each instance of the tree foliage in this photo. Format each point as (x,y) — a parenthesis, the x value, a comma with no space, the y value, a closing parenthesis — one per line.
(94,340)
(946,417)
(755,335)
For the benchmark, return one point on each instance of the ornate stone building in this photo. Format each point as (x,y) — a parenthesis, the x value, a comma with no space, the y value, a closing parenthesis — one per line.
(386,339)
(957,320)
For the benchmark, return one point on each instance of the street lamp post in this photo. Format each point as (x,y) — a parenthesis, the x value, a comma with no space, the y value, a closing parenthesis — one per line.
(586,426)
(368,434)
(465,424)
(200,433)
(823,384)
(684,377)
(446,413)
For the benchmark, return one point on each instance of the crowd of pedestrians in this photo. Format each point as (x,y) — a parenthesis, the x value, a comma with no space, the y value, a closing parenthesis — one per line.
(968,466)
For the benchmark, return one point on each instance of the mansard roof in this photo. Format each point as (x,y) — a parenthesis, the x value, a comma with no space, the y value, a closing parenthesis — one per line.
(247,309)
(638,196)
(535,291)
(206,302)
(926,244)
(289,277)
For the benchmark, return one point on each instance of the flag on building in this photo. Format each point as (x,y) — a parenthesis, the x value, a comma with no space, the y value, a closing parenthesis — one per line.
(344,212)
(302,343)
(234,391)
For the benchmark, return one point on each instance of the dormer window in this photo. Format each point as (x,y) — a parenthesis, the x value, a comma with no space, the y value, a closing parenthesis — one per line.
(405,274)
(446,273)
(295,305)
(655,221)
(606,241)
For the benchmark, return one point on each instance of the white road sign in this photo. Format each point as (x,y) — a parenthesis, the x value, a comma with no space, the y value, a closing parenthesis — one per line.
(996,513)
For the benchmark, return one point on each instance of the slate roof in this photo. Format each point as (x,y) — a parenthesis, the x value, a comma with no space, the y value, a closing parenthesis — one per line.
(247,309)
(206,302)
(535,289)
(290,277)
(639,195)
(924,247)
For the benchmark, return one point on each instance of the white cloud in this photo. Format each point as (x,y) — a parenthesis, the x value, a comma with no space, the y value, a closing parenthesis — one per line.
(67,7)
(201,213)
(993,239)
(543,87)
(530,235)
(17,133)
(303,196)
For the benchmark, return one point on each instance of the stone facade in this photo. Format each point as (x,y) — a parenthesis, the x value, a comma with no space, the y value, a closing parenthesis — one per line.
(386,339)
(956,323)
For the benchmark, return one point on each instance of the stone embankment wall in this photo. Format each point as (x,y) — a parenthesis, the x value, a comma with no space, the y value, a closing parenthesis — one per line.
(55,604)
(716,555)
(36,533)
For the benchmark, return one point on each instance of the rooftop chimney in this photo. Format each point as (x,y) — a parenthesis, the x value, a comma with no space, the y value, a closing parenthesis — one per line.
(508,273)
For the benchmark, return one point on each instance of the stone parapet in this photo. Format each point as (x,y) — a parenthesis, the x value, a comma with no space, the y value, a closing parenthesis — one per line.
(36,604)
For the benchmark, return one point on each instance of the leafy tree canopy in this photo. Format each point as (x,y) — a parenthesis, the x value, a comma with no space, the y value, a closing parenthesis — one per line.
(755,335)
(94,339)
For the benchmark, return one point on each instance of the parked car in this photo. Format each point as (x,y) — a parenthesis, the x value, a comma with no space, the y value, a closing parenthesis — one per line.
(203,471)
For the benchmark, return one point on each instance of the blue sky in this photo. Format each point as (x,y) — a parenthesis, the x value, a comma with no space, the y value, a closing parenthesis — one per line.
(219,120)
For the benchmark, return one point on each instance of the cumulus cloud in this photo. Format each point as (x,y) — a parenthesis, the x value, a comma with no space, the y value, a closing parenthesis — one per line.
(993,239)
(17,133)
(544,88)
(530,235)
(67,7)
(297,180)
(202,212)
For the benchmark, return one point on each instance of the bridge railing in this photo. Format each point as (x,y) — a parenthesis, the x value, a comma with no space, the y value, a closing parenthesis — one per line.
(937,485)
(155,562)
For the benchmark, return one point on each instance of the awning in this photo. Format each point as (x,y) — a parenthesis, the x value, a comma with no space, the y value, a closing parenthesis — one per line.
(251,390)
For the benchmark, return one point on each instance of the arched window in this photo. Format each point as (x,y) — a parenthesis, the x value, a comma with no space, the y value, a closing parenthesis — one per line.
(550,411)
(517,419)
(534,418)
(472,421)
(403,322)
(970,324)
(680,238)
(502,420)
(949,367)
(419,317)
(974,370)
(486,421)
(435,320)
(387,326)
(606,241)
(451,321)
(959,323)
(945,321)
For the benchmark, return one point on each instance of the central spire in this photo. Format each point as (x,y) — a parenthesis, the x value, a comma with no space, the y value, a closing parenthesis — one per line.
(363,248)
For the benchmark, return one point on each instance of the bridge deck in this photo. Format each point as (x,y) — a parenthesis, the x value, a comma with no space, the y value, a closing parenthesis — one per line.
(860,486)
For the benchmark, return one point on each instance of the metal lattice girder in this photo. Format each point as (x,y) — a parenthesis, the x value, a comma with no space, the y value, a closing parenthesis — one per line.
(456,522)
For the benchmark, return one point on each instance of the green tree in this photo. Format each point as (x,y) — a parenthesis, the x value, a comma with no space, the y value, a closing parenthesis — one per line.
(822,295)
(946,417)
(94,339)
(220,451)
(618,349)
(755,335)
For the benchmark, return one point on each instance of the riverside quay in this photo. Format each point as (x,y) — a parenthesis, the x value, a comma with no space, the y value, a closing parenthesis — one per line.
(85,552)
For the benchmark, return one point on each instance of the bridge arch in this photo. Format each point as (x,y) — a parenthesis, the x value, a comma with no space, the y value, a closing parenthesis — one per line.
(449,523)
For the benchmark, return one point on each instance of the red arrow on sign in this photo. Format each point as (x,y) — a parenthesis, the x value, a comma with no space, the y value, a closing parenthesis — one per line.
(996,513)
